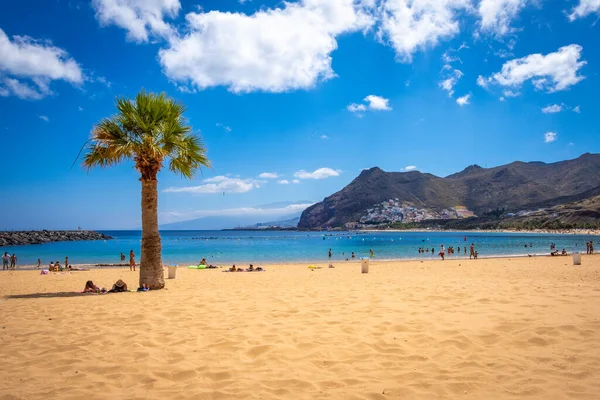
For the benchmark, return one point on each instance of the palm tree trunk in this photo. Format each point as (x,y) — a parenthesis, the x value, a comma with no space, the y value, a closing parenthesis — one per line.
(151,268)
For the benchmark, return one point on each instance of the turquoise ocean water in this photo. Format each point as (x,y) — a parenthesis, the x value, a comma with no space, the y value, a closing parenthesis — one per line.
(242,247)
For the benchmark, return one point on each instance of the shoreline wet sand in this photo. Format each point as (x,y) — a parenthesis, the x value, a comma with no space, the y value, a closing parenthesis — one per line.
(497,328)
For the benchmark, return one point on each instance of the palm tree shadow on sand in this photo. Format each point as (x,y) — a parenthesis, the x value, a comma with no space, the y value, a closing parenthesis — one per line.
(48,295)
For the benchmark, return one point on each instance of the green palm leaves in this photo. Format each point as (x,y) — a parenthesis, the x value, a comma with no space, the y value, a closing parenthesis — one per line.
(148,131)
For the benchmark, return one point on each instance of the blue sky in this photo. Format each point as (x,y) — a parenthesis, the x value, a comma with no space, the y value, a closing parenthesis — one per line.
(309,92)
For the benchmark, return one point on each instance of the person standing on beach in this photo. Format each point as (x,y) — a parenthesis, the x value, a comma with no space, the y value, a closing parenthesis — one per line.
(66,262)
(329,254)
(13,261)
(39,264)
(131,261)
(591,247)
(472,251)
(5,260)
(442,252)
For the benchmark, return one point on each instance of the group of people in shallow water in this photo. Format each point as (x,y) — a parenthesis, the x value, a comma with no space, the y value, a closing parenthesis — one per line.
(589,247)
(442,253)
(131,260)
(352,256)
(118,287)
(8,261)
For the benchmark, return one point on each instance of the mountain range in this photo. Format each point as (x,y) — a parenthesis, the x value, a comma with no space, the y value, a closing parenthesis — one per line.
(282,214)
(513,188)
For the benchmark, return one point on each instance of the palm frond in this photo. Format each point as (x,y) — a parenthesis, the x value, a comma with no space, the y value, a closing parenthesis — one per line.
(148,130)
(189,157)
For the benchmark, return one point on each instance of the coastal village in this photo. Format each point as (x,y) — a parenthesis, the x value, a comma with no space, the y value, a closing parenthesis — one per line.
(393,210)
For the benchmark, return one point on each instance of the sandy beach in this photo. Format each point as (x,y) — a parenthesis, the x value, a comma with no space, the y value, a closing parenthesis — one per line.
(485,329)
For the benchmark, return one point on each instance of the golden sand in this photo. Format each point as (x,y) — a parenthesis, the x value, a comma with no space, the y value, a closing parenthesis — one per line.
(485,329)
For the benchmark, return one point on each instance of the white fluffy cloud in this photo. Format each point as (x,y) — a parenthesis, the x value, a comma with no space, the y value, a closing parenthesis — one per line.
(550,137)
(139,18)
(374,103)
(44,118)
(219,184)
(464,100)
(510,93)
(411,25)
(552,72)
(268,175)
(377,103)
(296,181)
(554,108)
(449,83)
(356,107)
(585,8)
(577,109)
(321,173)
(283,182)
(38,61)
(481,81)
(13,87)
(410,168)
(496,15)
(273,50)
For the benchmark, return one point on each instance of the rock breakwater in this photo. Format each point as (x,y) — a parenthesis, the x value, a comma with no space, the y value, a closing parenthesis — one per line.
(17,238)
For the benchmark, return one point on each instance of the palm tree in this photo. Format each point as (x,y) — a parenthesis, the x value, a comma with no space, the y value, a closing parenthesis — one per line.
(149,131)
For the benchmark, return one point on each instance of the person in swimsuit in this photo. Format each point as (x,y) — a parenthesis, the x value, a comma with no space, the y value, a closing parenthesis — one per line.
(131,261)
(91,288)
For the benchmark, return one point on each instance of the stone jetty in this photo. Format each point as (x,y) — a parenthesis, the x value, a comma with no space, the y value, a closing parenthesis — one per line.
(17,238)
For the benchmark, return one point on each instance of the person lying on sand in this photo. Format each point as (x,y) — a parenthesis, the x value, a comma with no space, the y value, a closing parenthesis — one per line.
(118,287)
(143,288)
(250,268)
(232,269)
(77,269)
(564,252)
(203,262)
(91,288)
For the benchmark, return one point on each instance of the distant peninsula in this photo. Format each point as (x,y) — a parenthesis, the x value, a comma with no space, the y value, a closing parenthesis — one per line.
(18,238)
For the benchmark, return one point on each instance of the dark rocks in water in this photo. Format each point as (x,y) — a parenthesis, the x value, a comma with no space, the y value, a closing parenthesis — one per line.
(17,238)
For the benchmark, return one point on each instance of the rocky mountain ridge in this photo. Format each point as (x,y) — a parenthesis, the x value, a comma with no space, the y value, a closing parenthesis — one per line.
(513,187)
